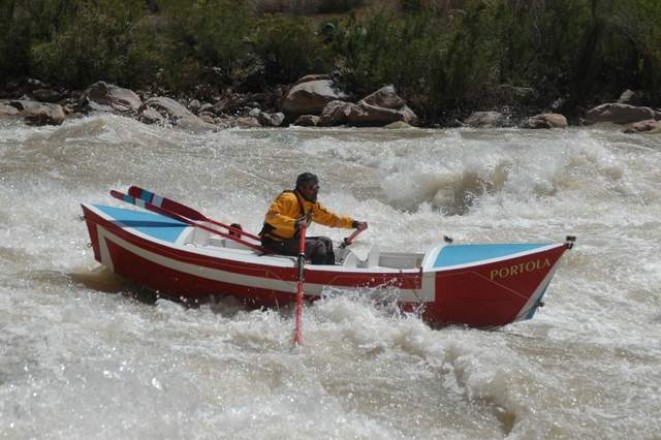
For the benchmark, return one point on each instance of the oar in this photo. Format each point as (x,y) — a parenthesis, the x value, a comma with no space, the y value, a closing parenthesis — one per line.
(298,331)
(180,208)
(166,212)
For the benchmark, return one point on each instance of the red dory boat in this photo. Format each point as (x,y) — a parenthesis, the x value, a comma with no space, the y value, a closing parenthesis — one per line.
(177,251)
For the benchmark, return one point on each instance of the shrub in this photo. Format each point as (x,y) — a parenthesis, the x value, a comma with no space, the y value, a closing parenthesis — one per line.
(436,61)
(288,48)
(93,43)
(203,34)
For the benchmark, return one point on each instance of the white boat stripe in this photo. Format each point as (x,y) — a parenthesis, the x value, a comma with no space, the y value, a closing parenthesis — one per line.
(426,294)
(200,271)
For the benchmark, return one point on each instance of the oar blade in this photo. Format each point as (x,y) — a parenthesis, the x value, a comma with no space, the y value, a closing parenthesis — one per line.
(186,211)
(183,218)
(166,203)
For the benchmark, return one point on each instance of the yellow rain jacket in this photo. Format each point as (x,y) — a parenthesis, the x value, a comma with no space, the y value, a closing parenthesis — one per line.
(288,207)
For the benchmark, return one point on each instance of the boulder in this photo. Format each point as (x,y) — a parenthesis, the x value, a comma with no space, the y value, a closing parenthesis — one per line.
(385,97)
(335,113)
(230,104)
(651,125)
(7,110)
(381,108)
(546,120)
(365,115)
(207,117)
(617,113)
(102,96)
(173,112)
(150,116)
(195,106)
(204,108)
(310,96)
(270,119)
(247,122)
(39,113)
(630,97)
(307,121)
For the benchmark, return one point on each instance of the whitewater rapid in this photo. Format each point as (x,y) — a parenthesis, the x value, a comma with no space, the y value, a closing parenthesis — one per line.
(83,356)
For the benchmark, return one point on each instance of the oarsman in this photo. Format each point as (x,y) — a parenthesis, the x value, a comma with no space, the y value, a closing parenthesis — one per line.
(294,208)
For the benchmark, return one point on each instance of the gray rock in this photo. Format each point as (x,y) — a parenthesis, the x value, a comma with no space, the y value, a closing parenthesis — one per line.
(310,97)
(7,110)
(335,113)
(650,125)
(630,97)
(247,122)
(39,113)
(175,113)
(102,96)
(194,105)
(307,121)
(366,115)
(270,119)
(150,116)
(546,120)
(385,97)
(617,113)
(381,108)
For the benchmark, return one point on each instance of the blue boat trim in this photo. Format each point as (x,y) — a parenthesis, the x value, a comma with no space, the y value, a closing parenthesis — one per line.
(454,255)
(152,224)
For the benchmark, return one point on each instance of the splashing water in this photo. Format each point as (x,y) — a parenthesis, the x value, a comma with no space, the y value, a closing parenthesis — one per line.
(84,355)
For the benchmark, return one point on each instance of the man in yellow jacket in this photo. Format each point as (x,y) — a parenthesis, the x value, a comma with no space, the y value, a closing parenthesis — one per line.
(290,210)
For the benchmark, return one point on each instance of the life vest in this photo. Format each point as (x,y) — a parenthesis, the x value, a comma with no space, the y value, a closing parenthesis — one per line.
(288,207)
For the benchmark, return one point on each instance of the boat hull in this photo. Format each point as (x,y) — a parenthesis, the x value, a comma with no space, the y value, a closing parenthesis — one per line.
(496,286)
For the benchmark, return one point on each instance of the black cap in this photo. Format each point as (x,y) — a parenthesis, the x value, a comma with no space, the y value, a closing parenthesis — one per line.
(304,178)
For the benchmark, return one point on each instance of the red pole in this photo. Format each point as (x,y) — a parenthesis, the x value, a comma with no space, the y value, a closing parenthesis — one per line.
(298,332)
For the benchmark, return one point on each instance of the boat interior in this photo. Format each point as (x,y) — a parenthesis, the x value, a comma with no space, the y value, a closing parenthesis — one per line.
(344,256)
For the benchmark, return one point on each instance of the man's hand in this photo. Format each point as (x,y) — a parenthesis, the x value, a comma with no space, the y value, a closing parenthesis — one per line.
(361,226)
(299,223)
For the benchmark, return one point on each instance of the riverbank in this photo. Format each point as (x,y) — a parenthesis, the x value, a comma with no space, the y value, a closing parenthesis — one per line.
(448,60)
(314,100)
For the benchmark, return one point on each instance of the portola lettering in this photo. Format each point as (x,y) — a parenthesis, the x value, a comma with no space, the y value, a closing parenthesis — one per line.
(518,269)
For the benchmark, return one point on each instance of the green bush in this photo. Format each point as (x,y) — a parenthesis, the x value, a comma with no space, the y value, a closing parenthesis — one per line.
(93,43)
(435,61)
(203,34)
(444,62)
(288,48)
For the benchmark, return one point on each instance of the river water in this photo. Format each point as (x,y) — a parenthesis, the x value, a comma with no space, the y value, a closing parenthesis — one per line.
(83,355)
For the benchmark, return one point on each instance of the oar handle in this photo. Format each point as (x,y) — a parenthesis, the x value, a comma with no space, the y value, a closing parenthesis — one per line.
(348,240)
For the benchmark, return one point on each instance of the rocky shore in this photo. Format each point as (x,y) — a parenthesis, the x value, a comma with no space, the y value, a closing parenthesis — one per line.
(313,101)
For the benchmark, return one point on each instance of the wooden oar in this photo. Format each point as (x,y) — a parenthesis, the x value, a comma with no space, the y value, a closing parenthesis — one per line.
(180,208)
(168,213)
(298,330)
